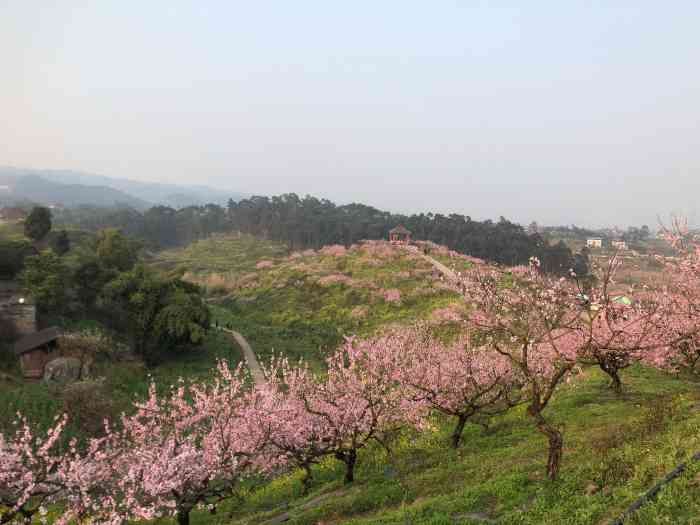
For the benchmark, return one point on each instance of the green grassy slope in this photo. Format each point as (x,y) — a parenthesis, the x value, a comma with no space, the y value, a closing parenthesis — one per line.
(615,448)
(302,305)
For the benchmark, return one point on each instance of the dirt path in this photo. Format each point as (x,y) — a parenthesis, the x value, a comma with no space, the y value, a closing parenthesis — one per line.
(444,270)
(252,361)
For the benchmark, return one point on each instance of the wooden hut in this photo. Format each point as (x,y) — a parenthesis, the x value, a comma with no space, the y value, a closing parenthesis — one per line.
(399,235)
(35,350)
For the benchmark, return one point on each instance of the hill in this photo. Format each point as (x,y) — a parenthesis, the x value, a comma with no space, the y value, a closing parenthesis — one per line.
(32,188)
(301,304)
(146,193)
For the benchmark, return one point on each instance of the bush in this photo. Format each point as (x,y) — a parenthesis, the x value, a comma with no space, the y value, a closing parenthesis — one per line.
(87,404)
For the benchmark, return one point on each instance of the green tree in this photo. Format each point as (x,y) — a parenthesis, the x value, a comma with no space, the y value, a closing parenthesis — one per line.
(116,250)
(12,256)
(45,278)
(157,314)
(38,223)
(60,243)
(89,277)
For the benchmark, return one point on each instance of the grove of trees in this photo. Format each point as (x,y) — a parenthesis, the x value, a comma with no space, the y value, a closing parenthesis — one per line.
(196,445)
(309,222)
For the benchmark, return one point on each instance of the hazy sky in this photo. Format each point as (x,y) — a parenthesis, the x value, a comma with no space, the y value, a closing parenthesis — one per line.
(558,111)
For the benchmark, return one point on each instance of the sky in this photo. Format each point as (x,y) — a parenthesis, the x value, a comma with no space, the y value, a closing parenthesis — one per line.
(558,112)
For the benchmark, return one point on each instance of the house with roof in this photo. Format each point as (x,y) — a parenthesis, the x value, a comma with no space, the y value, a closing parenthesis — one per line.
(399,235)
(13,214)
(594,242)
(36,350)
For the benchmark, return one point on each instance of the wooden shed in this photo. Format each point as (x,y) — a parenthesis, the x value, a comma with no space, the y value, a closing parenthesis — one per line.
(399,235)
(36,350)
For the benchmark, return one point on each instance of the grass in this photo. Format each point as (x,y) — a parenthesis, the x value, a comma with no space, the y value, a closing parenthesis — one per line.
(220,253)
(615,448)
(302,305)
(123,382)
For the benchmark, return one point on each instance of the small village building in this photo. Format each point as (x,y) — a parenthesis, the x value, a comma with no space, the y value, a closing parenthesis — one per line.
(13,214)
(619,244)
(36,350)
(399,235)
(594,242)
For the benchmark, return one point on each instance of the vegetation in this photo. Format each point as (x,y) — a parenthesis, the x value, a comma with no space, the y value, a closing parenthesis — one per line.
(375,406)
(38,223)
(311,223)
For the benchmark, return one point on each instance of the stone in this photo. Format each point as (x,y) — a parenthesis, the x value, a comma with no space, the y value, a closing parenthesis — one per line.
(64,370)
(591,489)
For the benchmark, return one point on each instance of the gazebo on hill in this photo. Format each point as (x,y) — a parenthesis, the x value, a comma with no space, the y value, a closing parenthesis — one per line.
(399,235)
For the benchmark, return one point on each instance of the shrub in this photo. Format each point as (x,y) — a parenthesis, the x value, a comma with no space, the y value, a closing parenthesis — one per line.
(88,404)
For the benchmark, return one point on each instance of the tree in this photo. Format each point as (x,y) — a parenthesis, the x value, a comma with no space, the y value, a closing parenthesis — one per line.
(454,379)
(37,470)
(359,400)
(529,319)
(45,277)
(188,448)
(157,313)
(115,250)
(89,277)
(60,244)
(620,331)
(12,256)
(38,223)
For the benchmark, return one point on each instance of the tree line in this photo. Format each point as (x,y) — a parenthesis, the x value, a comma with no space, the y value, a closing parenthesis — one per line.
(310,222)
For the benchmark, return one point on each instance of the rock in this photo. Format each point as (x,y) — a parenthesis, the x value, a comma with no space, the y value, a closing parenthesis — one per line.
(64,370)
(591,489)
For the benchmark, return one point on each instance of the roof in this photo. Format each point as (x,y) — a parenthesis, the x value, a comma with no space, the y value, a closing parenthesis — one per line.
(36,339)
(13,213)
(400,229)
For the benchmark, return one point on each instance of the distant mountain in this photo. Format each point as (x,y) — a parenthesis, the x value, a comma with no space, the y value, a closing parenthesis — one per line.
(35,189)
(141,194)
(174,195)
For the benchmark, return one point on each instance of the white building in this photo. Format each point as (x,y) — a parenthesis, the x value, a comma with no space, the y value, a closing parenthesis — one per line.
(594,242)
(619,244)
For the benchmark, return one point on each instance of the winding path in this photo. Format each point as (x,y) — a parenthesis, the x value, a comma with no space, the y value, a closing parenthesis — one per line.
(256,370)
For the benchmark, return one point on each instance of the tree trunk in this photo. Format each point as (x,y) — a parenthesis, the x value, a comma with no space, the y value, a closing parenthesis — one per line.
(306,480)
(349,458)
(613,372)
(457,432)
(183,515)
(555,439)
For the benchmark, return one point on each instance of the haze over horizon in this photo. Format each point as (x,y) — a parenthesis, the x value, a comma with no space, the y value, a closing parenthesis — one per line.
(556,113)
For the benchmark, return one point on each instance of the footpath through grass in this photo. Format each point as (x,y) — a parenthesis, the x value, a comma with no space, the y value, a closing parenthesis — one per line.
(301,305)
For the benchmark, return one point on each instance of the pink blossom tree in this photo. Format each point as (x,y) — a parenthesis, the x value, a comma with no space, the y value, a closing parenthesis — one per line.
(454,379)
(39,469)
(297,436)
(531,321)
(357,402)
(619,332)
(684,273)
(178,453)
(28,466)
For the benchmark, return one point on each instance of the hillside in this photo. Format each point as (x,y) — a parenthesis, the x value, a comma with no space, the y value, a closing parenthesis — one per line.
(36,189)
(138,194)
(301,304)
